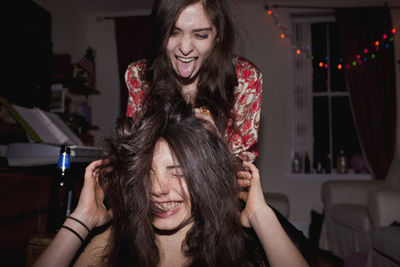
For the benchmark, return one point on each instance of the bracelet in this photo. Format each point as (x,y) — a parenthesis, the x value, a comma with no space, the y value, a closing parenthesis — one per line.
(72,231)
(78,221)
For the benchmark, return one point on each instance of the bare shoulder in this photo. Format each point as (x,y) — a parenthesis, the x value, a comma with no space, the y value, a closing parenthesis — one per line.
(94,251)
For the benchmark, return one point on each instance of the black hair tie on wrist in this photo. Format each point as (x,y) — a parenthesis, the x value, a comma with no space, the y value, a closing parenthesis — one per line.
(72,231)
(80,222)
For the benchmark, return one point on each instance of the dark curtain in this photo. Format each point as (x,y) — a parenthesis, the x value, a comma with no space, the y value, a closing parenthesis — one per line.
(133,38)
(371,84)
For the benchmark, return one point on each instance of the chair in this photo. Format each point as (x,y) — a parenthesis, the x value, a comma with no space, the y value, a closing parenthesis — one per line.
(347,225)
(384,209)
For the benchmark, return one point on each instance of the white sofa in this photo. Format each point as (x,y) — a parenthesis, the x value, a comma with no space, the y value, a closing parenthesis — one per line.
(354,212)
(383,209)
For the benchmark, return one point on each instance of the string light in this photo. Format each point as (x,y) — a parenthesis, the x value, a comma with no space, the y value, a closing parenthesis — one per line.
(358,60)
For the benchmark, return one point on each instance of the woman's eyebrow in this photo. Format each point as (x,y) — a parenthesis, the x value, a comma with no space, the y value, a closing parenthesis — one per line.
(172,167)
(208,29)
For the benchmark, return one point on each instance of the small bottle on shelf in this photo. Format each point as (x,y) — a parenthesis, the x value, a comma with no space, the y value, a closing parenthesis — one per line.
(342,163)
(297,163)
(307,163)
(327,165)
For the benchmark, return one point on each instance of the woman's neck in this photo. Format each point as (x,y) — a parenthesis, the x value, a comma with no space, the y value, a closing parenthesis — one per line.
(189,91)
(171,249)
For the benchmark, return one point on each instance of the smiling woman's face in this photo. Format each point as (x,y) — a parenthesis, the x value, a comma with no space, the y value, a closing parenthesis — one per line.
(169,194)
(191,41)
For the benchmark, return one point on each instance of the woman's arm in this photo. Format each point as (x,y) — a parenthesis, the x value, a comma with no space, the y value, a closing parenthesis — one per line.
(278,247)
(136,88)
(90,212)
(242,132)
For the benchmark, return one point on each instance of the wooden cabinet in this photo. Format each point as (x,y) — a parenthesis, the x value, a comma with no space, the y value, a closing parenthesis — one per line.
(24,198)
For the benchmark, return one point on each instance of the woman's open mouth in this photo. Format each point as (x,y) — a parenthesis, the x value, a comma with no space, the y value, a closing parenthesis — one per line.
(166,209)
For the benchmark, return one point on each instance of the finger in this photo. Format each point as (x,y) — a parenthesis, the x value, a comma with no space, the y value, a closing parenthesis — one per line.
(244,175)
(91,167)
(244,183)
(253,169)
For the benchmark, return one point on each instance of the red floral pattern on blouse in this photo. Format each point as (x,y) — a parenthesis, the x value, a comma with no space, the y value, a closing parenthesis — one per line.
(241,135)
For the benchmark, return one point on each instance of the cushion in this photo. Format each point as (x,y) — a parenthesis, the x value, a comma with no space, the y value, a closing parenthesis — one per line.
(386,240)
(353,216)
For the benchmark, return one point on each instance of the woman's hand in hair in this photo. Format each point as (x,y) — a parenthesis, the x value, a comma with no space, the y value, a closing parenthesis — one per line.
(91,209)
(251,193)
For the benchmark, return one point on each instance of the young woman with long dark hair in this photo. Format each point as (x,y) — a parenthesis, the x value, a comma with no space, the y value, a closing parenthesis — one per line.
(171,183)
(191,55)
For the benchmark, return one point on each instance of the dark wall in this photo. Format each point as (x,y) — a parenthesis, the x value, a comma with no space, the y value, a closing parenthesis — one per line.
(27,79)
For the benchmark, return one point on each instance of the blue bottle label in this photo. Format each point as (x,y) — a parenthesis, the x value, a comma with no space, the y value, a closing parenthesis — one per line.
(64,161)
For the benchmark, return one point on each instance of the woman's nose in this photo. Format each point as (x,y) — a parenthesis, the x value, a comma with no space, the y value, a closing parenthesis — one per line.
(159,186)
(185,45)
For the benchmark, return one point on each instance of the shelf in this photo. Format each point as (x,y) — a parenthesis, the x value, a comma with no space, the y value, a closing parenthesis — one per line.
(76,87)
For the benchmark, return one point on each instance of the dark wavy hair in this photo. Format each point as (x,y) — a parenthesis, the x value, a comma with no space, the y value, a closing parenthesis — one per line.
(217,76)
(216,238)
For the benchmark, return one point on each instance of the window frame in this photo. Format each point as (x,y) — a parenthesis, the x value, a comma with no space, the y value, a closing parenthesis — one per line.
(304,122)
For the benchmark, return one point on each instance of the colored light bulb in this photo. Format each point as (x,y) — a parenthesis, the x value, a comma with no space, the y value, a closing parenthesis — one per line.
(321,64)
(282,35)
(340,66)
(377,43)
(298,51)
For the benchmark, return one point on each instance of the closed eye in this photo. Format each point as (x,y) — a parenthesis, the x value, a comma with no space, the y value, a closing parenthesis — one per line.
(202,36)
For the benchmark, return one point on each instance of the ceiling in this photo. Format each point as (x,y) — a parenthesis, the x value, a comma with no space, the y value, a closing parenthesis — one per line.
(105,6)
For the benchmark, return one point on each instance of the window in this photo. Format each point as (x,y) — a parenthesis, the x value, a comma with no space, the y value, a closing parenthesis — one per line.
(322,121)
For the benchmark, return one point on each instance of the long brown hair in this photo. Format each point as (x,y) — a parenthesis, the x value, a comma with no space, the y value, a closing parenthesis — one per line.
(217,76)
(216,238)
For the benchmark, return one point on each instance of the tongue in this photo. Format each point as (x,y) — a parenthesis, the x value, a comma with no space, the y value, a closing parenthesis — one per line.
(185,69)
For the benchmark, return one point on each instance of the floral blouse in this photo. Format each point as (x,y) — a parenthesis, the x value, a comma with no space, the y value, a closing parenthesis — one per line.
(241,133)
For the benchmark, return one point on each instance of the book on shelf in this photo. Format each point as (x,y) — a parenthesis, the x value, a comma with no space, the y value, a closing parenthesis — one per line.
(43,126)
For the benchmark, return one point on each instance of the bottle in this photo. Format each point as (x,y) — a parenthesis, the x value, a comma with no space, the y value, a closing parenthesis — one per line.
(62,199)
(307,164)
(327,165)
(342,163)
(296,163)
